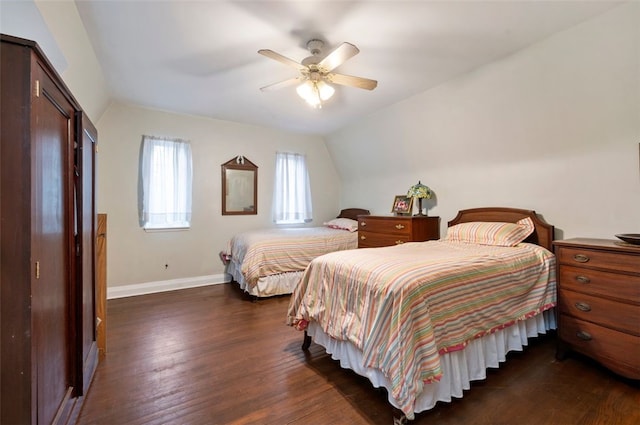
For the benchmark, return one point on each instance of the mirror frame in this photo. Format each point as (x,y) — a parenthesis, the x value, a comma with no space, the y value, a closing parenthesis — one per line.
(239,163)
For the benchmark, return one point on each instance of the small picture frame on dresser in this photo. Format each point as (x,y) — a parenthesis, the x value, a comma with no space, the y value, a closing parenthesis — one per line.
(402,205)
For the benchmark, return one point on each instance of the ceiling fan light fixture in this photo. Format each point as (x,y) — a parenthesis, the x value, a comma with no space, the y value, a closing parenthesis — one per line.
(325,90)
(315,92)
(316,70)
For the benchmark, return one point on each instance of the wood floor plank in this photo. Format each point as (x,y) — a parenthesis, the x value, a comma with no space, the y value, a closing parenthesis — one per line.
(210,355)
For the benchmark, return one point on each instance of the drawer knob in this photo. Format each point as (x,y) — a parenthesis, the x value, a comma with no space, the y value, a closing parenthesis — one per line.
(583,279)
(582,306)
(399,242)
(363,237)
(585,336)
(363,223)
(581,258)
(399,226)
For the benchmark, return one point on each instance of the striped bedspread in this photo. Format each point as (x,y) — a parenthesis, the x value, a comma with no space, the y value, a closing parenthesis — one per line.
(405,305)
(273,251)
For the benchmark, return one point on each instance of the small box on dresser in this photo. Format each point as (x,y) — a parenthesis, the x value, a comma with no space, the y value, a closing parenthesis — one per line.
(376,230)
(599,302)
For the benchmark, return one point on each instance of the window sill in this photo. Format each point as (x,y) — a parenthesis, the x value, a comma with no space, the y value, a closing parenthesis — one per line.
(164,229)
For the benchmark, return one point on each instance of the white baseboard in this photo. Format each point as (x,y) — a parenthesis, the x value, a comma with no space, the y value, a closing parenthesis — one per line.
(165,285)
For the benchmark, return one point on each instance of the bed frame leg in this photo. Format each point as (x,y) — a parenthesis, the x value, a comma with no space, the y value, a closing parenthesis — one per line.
(306,342)
(561,350)
(399,418)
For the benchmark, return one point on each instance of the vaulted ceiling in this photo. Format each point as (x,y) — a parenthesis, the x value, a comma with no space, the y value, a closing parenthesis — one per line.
(200,57)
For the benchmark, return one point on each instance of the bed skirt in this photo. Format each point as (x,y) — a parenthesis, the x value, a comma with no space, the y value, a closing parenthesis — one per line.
(459,367)
(277,284)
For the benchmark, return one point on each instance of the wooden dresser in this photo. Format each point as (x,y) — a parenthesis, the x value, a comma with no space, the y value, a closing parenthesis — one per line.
(375,230)
(599,302)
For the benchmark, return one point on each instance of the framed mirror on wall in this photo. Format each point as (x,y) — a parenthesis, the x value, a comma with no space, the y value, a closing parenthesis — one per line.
(239,187)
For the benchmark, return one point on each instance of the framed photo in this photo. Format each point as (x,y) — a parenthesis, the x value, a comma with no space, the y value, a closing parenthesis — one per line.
(402,205)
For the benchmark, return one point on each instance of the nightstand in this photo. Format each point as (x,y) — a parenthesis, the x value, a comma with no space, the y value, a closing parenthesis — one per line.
(599,302)
(375,231)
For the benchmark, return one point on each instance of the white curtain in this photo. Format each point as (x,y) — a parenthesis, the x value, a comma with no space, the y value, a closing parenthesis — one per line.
(292,190)
(166,178)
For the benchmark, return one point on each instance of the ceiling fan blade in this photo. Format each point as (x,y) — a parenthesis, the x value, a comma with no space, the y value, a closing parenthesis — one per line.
(283,59)
(348,80)
(338,56)
(281,84)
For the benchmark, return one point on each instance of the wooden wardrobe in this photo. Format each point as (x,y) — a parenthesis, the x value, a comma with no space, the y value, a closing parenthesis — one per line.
(47,232)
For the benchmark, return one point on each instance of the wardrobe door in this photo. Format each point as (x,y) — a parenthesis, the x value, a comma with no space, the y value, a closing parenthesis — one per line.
(53,124)
(86,228)
(16,269)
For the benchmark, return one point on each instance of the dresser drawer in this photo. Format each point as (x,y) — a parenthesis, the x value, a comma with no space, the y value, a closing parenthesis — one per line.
(617,350)
(616,315)
(370,239)
(377,231)
(389,227)
(615,261)
(608,284)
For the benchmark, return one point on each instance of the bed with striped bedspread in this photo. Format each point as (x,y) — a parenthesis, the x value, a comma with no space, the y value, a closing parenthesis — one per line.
(273,251)
(406,305)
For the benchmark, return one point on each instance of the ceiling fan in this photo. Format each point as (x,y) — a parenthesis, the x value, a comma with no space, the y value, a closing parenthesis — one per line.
(316,71)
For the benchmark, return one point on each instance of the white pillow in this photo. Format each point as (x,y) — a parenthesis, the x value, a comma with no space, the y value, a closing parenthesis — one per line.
(343,223)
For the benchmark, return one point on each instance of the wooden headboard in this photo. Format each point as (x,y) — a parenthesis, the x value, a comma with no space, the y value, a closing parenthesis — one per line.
(353,213)
(542,235)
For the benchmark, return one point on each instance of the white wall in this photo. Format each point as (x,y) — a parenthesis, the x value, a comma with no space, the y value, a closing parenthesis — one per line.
(135,256)
(554,128)
(58,30)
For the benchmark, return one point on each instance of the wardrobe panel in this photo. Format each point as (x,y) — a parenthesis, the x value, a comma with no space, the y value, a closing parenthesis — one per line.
(47,226)
(52,246)
(87,230)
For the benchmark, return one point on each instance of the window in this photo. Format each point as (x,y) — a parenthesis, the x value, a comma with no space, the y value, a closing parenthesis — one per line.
(292,190)
(165,183)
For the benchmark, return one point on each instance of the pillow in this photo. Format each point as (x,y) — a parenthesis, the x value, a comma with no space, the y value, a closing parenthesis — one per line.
(491,233)
(342,223)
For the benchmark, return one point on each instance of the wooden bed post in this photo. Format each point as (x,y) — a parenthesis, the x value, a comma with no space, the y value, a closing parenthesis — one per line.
(306,342)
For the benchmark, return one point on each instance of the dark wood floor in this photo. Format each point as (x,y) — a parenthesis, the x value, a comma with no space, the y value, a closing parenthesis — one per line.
(211,356)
